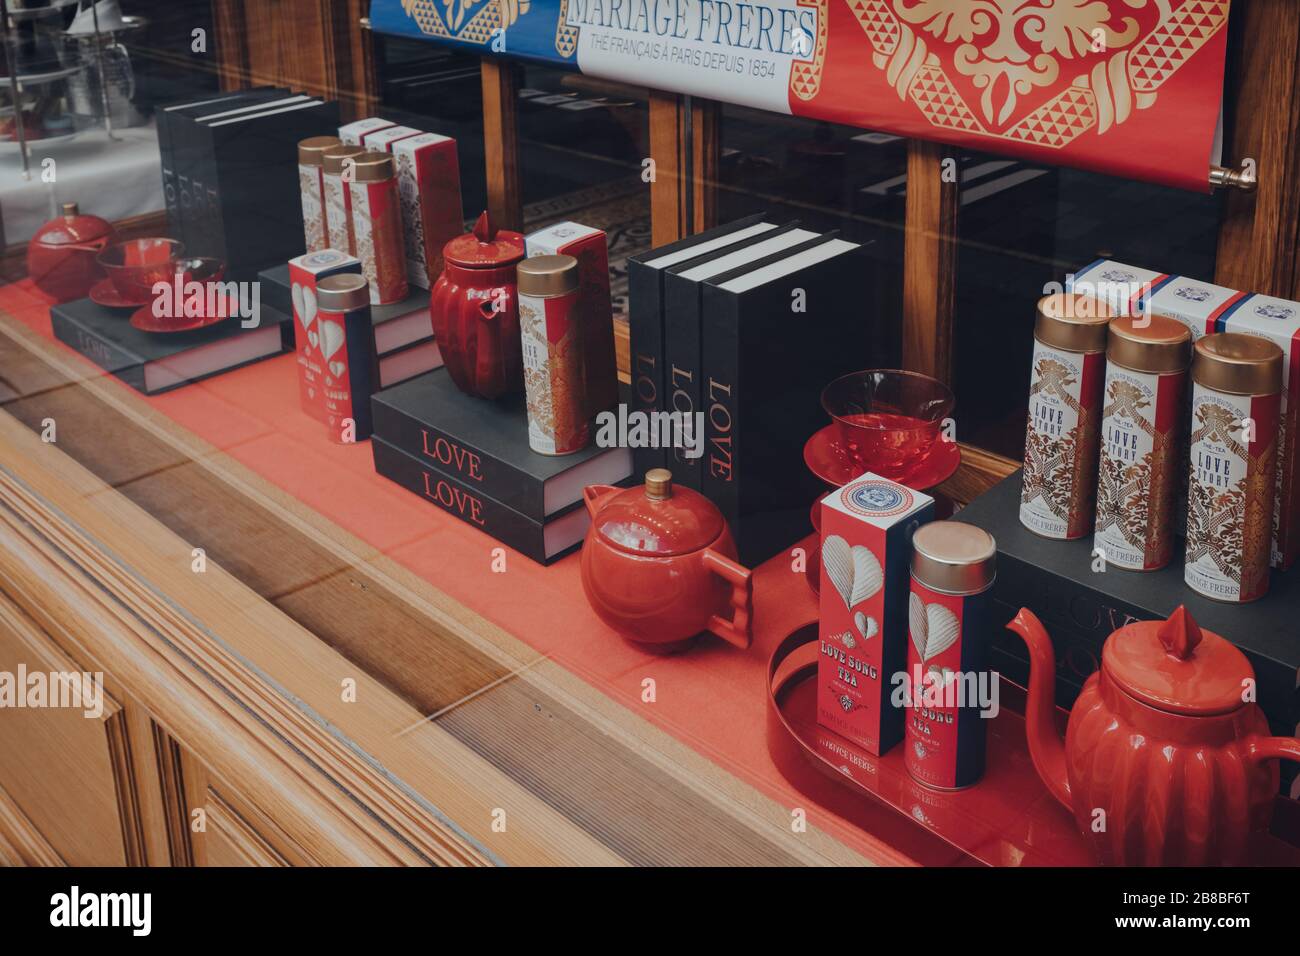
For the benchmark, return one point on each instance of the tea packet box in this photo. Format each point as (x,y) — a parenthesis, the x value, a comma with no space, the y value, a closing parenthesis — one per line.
(428,184)
(866,551)
(304,272)
(381,140)
(1207,309)
(354,134)
(1126,289)
(590,247)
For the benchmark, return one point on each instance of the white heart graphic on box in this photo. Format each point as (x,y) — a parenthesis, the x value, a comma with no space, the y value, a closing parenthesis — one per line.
(308,305)
(331,337)
(867,626)
(934,628)
(313,338)
(295,293)
(867,576)
(337,368)
(837,559)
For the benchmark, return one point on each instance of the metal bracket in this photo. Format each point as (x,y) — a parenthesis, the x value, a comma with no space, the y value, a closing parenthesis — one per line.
(1236,178)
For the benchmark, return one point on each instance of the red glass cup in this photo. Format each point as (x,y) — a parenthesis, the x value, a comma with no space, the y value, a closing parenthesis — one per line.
(137,265)
(888,419)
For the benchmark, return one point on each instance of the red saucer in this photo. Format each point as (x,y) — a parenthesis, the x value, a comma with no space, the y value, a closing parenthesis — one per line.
(828,459)
(105,293)
(144,320)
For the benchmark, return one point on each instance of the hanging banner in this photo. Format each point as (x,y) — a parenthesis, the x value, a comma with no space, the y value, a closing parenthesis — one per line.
(1131,88)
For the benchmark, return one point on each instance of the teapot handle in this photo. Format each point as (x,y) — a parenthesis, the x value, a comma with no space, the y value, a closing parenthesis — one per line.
(1260,749)
(738,630)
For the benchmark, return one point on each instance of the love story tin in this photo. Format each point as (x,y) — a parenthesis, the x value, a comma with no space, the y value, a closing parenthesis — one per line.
(1142,418)
(866,535)
(336,171)
(377,226)
(311,186)
(950,689)
(550,326)
(1236,401)
(1065,388)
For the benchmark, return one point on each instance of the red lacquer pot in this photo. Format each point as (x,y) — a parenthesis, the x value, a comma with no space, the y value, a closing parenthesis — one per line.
(1167,760)
(61,256)
(475,311)
(659,566)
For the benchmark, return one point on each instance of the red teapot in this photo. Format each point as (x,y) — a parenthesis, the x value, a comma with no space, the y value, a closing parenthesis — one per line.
(475,311)
(1165,760)
(61,257)
(659,566)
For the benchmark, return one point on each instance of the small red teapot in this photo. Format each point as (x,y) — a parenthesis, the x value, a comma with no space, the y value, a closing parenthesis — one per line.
(474,307)
(61,257)
(659,566)
(1165,762)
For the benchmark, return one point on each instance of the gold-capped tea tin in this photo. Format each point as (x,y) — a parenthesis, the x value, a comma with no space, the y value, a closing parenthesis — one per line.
(1066,377)
(1236,401)
(311,188)
(377,226)
(1142,413)
(554,369)
(338,204)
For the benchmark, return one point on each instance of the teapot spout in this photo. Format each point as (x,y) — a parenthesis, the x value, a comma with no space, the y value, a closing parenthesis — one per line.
(592,495)
(1046,748)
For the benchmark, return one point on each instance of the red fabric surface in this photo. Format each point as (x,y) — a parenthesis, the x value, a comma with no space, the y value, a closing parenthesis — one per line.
(712,698)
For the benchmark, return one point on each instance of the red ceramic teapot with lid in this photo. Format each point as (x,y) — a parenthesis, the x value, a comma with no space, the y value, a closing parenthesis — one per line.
(1167,761)
(475,311)
(61,255)
(659,566)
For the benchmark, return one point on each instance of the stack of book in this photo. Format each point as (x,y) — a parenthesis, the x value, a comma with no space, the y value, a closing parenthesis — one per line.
(471,458)
(740,328)
(230,175)
(404,341)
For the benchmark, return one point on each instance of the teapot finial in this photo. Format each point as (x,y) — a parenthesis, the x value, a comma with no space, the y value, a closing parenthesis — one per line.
(1180,634)
(484,230)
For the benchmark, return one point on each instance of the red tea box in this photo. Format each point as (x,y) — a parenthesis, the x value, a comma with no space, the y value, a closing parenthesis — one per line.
(866,549)
(428,181)
(354,134)
(304,272)
(595,314)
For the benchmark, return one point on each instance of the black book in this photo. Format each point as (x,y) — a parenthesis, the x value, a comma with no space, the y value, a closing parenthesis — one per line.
(543,543)
(683,365)
(484,445)
(179,148)
(398,325)
(775,332)
(646,318)
(152,362)
(1080,608)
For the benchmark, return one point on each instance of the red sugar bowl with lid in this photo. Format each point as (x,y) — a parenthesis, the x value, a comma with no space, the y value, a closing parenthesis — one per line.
(61,255)
(659,566)
(474,306)
(1167,759)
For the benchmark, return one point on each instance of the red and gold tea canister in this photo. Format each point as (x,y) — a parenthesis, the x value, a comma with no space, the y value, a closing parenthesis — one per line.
(952,692)
(1065,385)
(1142,414)
(377,226)
(336,171)
(311,186)
(552,337)
(1236,400)
(347,346)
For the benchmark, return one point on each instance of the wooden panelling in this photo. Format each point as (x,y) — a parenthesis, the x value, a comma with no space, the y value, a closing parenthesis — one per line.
(930,259)
(67,771)
(1258,240)
(501,144)
(667,191)
(21,844)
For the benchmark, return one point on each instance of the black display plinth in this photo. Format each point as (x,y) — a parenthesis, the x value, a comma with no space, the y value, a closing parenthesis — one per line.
(1081,607)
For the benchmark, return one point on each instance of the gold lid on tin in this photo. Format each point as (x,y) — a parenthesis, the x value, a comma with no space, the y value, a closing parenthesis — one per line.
(658,481)
(333,157)
(342,292)
(372,167)
(311,151)
(1072,322)
(1149,343)
(954,557)
(1238,364)
(546,276)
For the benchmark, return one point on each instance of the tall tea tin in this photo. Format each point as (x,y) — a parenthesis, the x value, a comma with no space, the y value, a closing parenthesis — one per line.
(552,338)
(1236,401)
(347,346)
(336,169)
(311,186)
(1065,382)
(377,226)
(1142,416)
(948,677)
